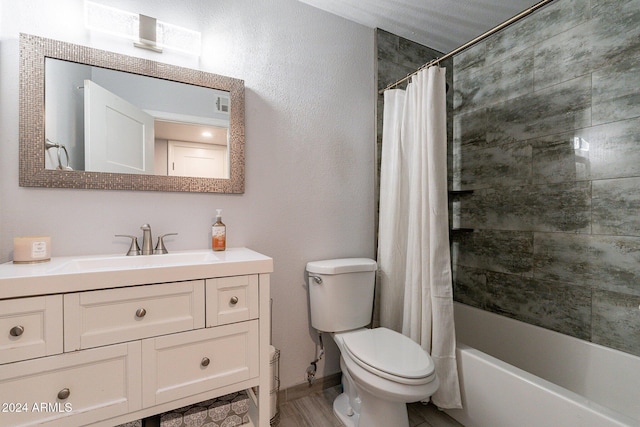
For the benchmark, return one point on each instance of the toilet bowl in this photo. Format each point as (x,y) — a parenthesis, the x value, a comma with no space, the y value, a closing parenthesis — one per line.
(382,370)
(386,370)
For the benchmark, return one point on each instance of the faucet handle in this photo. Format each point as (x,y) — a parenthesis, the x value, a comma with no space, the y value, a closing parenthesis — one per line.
(160,248)
(134,249)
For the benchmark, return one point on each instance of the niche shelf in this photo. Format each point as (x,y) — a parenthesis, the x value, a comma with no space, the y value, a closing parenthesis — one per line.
(459,192)
(459,230)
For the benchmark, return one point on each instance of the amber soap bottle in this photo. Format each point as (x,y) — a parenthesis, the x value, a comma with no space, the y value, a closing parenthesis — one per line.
(219,233)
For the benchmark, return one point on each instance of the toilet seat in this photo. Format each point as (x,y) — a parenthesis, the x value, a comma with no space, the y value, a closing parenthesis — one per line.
(390,355)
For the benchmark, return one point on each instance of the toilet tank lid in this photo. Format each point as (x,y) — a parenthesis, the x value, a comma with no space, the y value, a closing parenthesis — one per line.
(342,265)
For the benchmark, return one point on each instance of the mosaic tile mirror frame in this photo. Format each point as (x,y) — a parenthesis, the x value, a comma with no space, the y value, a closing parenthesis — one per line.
(33,52)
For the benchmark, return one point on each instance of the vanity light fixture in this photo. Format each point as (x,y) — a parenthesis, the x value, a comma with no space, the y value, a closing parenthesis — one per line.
(146,32)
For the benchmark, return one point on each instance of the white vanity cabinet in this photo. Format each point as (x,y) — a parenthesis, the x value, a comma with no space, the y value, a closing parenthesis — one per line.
(178,365)
(109,316)
(71,389)
(31,327)
(136,342)
(232,299)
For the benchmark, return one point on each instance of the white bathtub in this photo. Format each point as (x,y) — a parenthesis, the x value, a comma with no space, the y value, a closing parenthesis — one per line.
(517,375)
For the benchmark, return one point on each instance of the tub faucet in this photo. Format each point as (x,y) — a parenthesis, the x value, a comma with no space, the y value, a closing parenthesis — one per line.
(147,243)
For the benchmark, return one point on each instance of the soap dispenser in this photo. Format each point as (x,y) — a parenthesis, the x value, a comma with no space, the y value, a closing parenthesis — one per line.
(219,233)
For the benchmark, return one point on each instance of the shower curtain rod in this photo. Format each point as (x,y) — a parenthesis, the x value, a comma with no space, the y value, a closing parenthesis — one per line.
(470,43)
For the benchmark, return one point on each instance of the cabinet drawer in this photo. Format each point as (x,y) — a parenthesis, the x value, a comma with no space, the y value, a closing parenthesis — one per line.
(232,299)
(102,383)
(30,328)
(111,316)
(193,362)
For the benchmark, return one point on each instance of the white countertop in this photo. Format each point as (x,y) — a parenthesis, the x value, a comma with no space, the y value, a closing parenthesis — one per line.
(81,273)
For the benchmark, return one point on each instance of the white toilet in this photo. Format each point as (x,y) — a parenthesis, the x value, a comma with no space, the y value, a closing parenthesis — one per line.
(382,370)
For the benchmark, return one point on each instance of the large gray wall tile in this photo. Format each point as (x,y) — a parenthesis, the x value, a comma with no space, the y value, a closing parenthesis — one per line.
(552,305)
(561,257)
(561,158)
(615,33)
(470,129)
(615,264)
(554,207)
(414,55)
(557,109)
(495,250)
(563,57)
(616,206)
(470,286)
(603,262)
(616,94)
(469,59)
(497,82)
(508,164)
(387,45)
(616,322)
(561,207)
(556,18)
(614,149)
(500,209)
(391,72)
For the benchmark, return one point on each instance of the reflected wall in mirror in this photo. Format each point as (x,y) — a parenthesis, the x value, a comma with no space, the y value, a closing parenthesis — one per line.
(120,122)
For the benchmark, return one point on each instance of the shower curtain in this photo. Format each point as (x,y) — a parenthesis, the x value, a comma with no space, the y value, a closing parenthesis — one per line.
(416,296)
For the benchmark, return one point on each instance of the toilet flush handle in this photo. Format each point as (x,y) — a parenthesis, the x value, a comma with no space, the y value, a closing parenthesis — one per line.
(316,279)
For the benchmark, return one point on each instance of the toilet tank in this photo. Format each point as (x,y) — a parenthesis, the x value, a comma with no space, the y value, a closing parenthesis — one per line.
(344,298)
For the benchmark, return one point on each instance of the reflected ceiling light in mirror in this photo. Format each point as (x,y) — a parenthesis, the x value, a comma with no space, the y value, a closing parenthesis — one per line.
(145,31)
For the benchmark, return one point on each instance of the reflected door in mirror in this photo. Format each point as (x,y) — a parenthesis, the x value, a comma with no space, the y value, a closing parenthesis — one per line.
(119,136)
(196,159)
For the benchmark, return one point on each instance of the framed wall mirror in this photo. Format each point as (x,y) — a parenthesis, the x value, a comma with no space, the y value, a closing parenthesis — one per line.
(100,120)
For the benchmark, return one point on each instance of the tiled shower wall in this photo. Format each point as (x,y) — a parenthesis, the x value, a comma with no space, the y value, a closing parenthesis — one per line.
(546,134)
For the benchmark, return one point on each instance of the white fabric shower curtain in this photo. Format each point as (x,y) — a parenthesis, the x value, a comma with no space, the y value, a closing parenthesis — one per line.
(416,296)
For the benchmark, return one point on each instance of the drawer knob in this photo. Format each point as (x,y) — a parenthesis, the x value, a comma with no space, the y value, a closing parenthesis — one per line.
(205,362)
(64,393)
(234,300)
(16,331)
(141,312)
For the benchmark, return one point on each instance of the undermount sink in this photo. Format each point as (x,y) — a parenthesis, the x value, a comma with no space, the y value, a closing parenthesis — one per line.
(115,262)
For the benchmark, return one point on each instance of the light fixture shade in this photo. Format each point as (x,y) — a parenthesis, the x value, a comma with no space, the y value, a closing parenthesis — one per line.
(178,38)
(110,20)
(105,19)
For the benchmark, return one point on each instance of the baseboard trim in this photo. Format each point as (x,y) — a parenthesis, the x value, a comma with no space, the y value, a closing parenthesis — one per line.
(304,389)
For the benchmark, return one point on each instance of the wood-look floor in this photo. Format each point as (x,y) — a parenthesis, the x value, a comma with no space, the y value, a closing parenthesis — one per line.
(316,410)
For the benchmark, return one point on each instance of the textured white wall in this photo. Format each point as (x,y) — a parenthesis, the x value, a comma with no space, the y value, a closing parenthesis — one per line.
(310,96)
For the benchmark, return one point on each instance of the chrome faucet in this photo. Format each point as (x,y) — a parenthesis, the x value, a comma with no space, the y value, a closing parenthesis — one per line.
(147,241)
